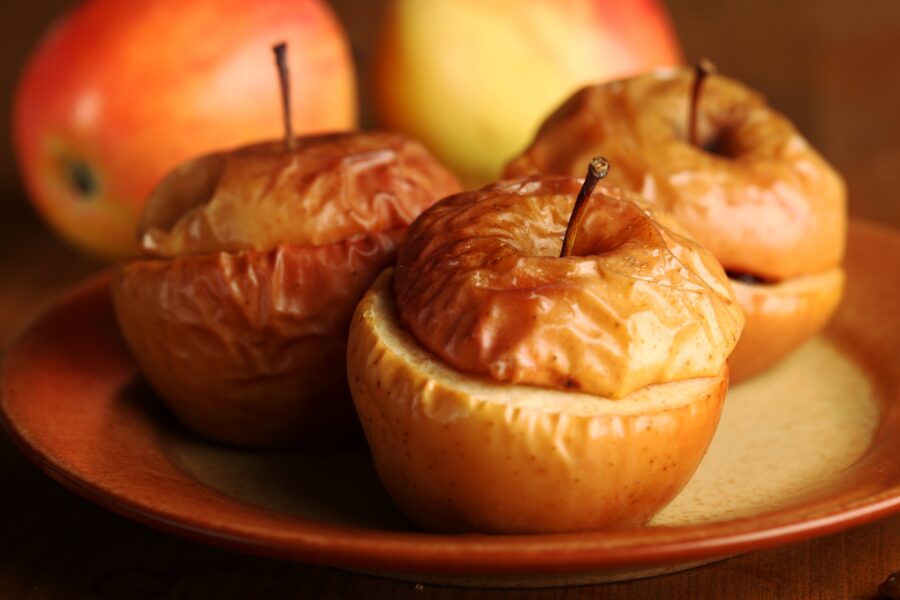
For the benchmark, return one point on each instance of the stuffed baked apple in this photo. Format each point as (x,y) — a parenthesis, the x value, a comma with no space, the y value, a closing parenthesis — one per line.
(735,173)
(253,261)
(507,382)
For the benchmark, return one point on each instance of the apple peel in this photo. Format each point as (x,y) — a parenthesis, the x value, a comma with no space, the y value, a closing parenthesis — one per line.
(461,452)
(254,260)
(782,316)
(752,191)
(329,188)
(249,348)
(479,283)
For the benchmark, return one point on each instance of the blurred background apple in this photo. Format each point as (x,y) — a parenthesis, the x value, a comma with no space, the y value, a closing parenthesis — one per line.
(473,79)
(119,92)
(825,63)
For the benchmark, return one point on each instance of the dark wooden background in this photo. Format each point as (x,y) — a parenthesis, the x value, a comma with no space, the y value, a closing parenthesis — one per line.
(833,66)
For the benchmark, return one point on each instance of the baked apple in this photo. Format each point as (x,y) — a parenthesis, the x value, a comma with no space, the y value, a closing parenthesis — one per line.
(504,388)
(253,261)
(736,174)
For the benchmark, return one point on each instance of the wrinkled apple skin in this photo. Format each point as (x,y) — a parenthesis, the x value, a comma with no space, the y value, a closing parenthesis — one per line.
(249,348)
(474,78)
(128,90)
(237,312)
(752,191)
(465,453)
(480,284)
(764,202)
(329,188)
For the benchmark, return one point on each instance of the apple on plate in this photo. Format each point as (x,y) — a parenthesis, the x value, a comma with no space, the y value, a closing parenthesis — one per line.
(473,79)
(118,93)
(541,362)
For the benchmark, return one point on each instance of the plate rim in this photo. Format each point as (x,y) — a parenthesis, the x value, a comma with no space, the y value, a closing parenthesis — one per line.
(368,548)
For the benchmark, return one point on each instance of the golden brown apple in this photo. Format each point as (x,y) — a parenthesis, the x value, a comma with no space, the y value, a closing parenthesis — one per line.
(503,388)
(750,189)
(253,263)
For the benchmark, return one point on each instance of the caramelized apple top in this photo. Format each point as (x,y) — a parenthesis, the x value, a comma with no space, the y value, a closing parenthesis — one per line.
(480,284)
(330,188)
(752,191)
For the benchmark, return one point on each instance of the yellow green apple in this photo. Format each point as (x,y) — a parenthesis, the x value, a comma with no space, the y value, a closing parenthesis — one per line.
(473,79)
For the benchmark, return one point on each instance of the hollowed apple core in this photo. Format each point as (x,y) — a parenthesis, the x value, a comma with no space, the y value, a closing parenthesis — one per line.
(748,278)
(720,144)
(191,186)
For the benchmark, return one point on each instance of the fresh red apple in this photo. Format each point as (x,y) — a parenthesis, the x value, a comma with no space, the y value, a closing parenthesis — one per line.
(118,93)
(473,79)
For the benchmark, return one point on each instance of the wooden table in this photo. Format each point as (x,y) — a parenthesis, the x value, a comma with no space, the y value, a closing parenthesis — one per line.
(830,65)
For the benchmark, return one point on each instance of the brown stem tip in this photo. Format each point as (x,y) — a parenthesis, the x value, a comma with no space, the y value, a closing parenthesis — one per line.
(285,81)
(597,170)
(703,69)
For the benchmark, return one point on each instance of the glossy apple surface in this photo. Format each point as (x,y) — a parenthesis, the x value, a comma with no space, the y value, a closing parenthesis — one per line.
(481,285)
(473,79)
(118,93)
(751,189)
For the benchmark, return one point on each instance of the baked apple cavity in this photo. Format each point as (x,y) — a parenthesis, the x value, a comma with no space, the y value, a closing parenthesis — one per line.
(506,384)
(719,143)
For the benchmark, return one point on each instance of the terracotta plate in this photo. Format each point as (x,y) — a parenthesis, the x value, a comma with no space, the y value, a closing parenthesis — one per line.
(809,448)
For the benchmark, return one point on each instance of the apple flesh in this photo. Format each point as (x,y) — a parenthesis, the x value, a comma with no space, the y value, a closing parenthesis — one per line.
(118,93)
(474,79)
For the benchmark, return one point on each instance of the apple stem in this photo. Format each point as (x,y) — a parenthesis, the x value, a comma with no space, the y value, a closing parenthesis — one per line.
(703,69)
(597,170)
(284,78)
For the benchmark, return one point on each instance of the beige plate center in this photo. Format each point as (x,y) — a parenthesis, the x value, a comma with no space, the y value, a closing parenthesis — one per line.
(782,436)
